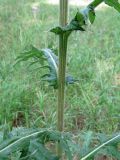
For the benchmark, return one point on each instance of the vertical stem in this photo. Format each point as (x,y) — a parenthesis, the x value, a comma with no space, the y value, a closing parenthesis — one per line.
(62,67)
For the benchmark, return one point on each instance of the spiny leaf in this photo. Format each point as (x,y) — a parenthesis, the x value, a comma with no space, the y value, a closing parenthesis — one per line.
(42,56)
(113,3)
(80,18)
(32,53)
(87,139)
(39,151)
(111,151)
(77,23)
(33,143)
(70,80)
(105,145)
(73,26)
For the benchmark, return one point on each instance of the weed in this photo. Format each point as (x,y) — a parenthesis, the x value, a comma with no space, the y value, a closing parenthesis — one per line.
(96,97)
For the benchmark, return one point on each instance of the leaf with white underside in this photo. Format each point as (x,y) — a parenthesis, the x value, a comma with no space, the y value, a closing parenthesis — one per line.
(45,56)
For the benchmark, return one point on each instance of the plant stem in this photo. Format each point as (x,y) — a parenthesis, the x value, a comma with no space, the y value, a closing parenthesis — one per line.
(95,3)
(61,69)
(62,65)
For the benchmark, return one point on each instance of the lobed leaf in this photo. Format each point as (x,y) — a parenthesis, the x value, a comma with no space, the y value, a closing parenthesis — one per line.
(77,23)
(42,56)
(39,151)
(105,148)
(32,145)
(81,17)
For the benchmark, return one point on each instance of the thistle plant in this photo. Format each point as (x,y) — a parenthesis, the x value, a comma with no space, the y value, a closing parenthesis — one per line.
(32,144)
(56,65)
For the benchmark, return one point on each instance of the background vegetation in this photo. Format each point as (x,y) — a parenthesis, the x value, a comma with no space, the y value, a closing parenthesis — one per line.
(91,104)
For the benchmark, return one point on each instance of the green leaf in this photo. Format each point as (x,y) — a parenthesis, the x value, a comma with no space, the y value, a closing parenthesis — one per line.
(106,144)
(73,26)
(110,151)
(77,23)
(113,3)
(91,16)
(42,56)
(87,140)
(39,152)
(32,144)
(80,18)
(58,30)
(45,56)
(70,80)
(32,53)
(88,14)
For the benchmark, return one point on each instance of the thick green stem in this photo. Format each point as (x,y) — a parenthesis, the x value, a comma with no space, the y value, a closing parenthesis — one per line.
(62,68)
(62,65)
(62,58)
(95,3)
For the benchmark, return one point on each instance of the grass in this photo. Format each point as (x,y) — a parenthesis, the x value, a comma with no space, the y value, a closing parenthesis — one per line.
(93,58)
